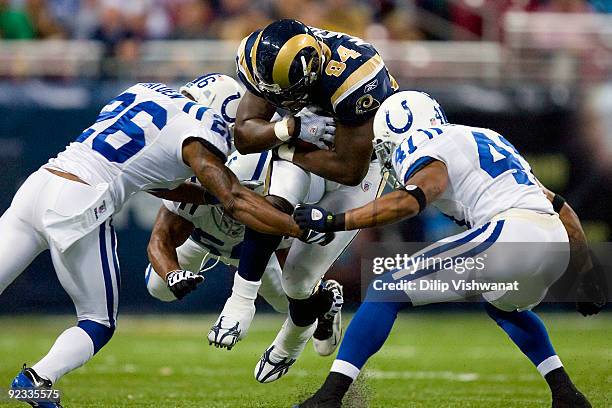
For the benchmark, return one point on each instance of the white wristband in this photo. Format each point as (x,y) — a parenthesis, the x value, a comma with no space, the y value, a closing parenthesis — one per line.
(281,130)
(286,152)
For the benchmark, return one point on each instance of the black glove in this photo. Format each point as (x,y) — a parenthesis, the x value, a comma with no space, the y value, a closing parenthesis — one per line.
(317,218)
(315,237)
(182,282)
(592,290)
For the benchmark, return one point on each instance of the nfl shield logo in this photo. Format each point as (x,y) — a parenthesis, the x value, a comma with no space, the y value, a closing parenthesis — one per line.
(365,186)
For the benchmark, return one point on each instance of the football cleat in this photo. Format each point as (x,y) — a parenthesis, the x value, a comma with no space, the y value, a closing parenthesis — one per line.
(570,399)
(329,326)
(233,323)
(267,370)
(225,333)
(28,379)
(320,402)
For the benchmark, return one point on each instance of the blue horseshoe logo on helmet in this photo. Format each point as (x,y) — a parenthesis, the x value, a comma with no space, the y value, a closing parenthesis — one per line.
(407,125)
(224,107)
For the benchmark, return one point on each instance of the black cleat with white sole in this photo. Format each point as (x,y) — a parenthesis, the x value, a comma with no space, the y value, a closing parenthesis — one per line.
(326,337)
(224,334)
(268,371)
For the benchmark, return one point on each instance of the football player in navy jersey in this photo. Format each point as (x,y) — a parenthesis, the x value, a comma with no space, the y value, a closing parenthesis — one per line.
(292,68)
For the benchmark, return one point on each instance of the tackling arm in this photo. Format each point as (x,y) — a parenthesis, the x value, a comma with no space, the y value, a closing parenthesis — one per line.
(390,208)
(400,204)
(591,289)
(576,234)
(241,203)
(253,132)
(186,193)
(169,232)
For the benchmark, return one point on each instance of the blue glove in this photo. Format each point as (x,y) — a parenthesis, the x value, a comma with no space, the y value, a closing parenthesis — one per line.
(315,237)
(317,218)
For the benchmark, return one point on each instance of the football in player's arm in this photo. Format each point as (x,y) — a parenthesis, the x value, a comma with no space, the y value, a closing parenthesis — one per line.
(347,163)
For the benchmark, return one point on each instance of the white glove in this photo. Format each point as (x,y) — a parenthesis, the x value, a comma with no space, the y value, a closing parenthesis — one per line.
(316,129)
(182,282)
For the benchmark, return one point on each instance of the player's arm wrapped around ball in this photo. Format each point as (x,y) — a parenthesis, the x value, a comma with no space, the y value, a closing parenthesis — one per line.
(315,129)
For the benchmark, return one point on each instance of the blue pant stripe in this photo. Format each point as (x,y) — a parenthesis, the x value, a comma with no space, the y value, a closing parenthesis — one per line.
(373,295)
(468,254)
(260,165)
(115,260)
(449,245)
(148,274)
(108,283)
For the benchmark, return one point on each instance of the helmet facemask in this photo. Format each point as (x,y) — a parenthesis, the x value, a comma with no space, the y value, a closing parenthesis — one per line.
(384,153)
(297,96)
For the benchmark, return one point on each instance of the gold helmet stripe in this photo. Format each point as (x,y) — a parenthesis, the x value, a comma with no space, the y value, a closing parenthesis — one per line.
(254,53)
(286,55)
(242,61)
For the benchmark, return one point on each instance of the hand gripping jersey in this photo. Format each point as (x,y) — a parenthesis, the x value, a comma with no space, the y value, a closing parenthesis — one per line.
(354,81)
(486,173)
(136,142)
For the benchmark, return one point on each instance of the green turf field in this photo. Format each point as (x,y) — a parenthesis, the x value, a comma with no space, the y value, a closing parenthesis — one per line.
(431,360)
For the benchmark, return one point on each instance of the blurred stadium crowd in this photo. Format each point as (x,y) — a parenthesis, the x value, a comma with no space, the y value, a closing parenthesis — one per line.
(116,21)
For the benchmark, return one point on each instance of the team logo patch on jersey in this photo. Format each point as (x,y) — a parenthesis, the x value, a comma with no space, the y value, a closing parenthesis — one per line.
(370,86)
(366,103)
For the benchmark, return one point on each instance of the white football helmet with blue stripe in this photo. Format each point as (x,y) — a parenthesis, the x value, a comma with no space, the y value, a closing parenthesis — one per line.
(219,92)
(398,116)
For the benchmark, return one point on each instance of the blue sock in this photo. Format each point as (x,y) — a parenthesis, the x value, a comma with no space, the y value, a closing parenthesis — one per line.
(527,331)
(257,248)
(99,333)
(368,331)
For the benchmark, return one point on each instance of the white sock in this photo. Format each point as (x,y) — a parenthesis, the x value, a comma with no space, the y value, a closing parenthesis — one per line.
(72,349)
(346,368)
(244,288)
(291,340)
(243,297)
(551,363)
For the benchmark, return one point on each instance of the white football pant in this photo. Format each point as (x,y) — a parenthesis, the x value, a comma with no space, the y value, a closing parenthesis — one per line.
(306,264)
(88,270)
(522,246)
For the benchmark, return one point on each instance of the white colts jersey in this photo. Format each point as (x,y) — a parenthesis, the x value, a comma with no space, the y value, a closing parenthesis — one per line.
(217,234)
(136,142)
(487,175)
(220,235)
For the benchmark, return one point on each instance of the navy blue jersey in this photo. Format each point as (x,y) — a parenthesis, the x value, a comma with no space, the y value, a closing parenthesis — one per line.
(354,81)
